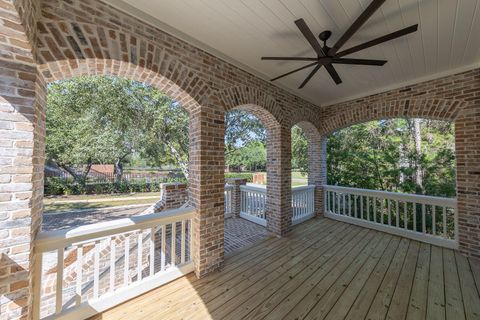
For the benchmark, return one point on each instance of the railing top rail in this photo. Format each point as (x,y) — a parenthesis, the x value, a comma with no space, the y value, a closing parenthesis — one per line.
(440,201)
(51,240)
(256,188)
(302,188)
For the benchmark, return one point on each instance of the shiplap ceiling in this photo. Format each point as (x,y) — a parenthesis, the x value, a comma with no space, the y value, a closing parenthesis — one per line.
(448,39)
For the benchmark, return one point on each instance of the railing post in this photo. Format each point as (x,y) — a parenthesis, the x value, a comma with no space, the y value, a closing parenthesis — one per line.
(236,195)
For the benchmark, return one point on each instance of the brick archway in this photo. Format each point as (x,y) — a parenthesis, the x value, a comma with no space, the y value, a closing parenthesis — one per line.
(466,116)
(355,113)
(267,110)
(317,164)
(187,93)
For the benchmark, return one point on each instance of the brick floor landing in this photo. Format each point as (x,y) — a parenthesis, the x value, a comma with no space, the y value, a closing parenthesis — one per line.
(240,233)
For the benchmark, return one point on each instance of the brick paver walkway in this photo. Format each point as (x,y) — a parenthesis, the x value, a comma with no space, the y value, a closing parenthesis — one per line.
(240,233)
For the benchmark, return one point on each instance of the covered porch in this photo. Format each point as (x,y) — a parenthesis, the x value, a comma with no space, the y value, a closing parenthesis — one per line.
(331,252)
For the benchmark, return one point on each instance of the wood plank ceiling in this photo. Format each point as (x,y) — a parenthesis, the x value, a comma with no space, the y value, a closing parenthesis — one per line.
(447,41)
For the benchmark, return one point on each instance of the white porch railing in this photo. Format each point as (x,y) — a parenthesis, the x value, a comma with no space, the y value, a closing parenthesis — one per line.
(252,203)
(83,271)
(228,200)
(303,203)
(423,218)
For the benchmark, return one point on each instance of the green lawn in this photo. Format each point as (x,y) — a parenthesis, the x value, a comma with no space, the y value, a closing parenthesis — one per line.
(77,202)
(60,207)
(50,199)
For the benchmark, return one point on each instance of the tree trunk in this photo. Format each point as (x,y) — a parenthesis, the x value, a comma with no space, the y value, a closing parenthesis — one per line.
(78,178)
(118,170)
(418,149)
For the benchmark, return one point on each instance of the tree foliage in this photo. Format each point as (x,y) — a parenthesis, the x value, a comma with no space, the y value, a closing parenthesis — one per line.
(384,155)
(102,120)
(299,150)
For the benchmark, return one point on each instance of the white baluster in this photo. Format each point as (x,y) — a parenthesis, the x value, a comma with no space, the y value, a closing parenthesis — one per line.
(152,251)
(173,253)
(126,259)
(444,214)
(424,226)
(79,269)
(182,247)
(139,255)
(112,263)
(163,248)
(96,269)
(59,285)
(397,213)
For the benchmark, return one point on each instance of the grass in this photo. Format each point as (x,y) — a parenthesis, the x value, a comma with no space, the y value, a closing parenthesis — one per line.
(61,207)
(52,199)
(299,175)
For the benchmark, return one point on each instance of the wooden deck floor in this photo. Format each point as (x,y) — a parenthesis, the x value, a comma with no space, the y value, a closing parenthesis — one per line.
(323,270)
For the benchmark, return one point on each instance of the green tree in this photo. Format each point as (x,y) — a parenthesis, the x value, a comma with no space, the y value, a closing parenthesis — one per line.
(108,119)
(244,133)
(299,150)
(404,155)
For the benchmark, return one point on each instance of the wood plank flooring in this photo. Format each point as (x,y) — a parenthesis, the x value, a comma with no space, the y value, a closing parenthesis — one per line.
(324,269)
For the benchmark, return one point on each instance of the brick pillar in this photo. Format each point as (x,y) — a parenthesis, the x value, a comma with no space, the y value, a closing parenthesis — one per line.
(317,165)
(236,195)
(206,183)
(279,181)
(321,176)
(174,195)
(22,121)
(467,149)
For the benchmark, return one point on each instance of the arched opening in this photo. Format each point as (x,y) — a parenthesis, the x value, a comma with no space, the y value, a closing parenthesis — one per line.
(396,175)
(306,157)
(115,149)
(246,179)
(110,145)
(408,155)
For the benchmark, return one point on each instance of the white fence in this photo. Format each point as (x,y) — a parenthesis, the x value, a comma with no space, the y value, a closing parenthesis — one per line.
(423,218)
(83,271)
(228,200)
(303,203)
(253,203)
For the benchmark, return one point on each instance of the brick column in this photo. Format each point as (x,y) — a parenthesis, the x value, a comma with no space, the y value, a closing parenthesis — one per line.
(174,195)
(22,97)
(321,175)
(206,183)
(279,181)
(467,149)
(236,195)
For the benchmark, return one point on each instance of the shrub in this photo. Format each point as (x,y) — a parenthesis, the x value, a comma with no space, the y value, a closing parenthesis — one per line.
(242,175)
(59,186)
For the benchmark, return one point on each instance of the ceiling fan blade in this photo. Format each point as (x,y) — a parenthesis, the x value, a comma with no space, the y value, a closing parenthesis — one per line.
(290,58)
(310,76)
(374,5)
(365,62)
(333,73)
(307,33)
(374,42)
(293,71)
